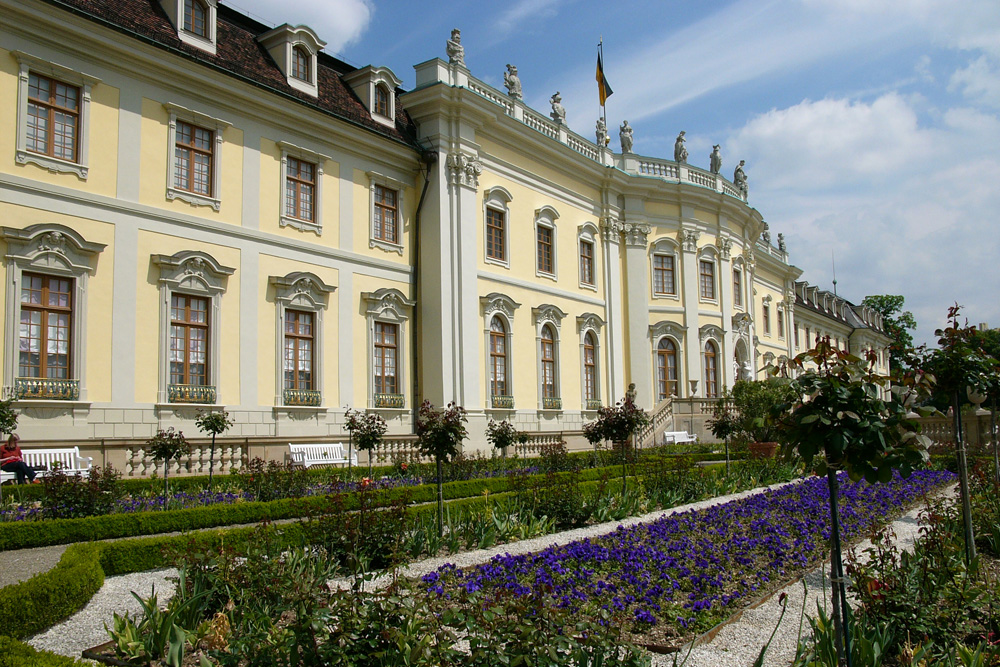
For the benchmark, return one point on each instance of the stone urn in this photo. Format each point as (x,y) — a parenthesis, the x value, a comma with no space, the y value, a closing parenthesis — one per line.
(763,450)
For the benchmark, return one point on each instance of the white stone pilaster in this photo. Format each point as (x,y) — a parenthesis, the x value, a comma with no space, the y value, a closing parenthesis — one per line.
(729,375)
(613,312)
(692,347)
(637,279)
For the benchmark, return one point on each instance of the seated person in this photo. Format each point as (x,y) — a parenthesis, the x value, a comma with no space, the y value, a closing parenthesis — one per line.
(12,460)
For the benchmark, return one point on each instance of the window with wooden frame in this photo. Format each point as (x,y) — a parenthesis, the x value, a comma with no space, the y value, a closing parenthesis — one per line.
(706,277)
(809,342)
(53,118)
(300,64)
(193,159)
(386,358)
(46,323)
(666,369)
(384,226)
(711,371)
(586,262)
(196,17)
(780,314)
(300,189)
(544,249)
(796,337)
(737,288)
(382,100)
(663,275)
(549,386)
(589,367)
(765,316)
(495,235)
(189,337)
(498,358)
(299,347)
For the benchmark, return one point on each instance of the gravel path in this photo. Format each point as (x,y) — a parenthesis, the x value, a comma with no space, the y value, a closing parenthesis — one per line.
(736,645)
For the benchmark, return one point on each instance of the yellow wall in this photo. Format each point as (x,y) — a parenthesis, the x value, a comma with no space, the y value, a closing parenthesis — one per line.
(662,210)
(361,194)
(272,186)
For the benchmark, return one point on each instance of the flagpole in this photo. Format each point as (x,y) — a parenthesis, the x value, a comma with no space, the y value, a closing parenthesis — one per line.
(604,110)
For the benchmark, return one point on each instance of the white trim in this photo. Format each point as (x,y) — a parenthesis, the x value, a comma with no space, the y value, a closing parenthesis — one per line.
(375,178)
(587,233)
(546,216)
(317,159)
(175,12)
(388,305)
(281,43)
(306,292)
(497,198)
(665,247)
(217,126)
(85,82)
(364,81)
(542,316)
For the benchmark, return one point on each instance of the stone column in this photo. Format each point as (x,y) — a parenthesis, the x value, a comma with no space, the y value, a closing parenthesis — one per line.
(692,341)
(726,308)
(751,300)
(637,280)
(613,311)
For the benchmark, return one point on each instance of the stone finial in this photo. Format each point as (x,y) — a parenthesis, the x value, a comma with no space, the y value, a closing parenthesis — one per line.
(680,151)
(513,82)
(456,52)
(558,110)
(625,135)
(715,160)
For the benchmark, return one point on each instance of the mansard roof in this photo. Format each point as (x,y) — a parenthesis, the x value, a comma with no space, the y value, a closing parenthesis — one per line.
(240,55)
(827,304)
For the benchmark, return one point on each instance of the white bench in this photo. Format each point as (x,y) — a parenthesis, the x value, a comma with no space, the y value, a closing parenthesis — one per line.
(317,454)
(43,460)
(675,437)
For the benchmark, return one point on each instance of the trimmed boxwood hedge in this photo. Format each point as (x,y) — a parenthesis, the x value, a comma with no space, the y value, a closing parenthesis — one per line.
(18,654)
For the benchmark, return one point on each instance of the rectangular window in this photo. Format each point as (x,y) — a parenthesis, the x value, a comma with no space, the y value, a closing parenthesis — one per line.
(299,332)
(765,315)
(193,159)
(586,262)
(53,118)
(300,190)
(548,369)
(737,288)
(796,338)
(300,64)
(189,330)
(707,276)
(382,101)
(385,215)
(808,339)
(44,334)
(663,275)
(589,370)
(545,249)
(495,248)
(385,358)
(781,324)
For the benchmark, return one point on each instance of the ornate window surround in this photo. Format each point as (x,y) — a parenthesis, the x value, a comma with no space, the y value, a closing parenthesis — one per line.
(364,81)
(175,12)
(55,250)
(738,265)
(709,253)
(375,178)
(291,150)
(675,332)
(499,305)
(714,333)
(85,82)
(590,323)
(546,216)
(299,290)
(388,305)
(540,316)
(282,41)
(498,198)
(667,247)
(588,232)
(201,120)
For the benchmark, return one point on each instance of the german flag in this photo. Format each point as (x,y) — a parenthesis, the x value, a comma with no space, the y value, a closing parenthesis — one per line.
(603,87)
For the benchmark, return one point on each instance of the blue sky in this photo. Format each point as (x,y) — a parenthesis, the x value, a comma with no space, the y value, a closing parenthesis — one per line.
(871,128)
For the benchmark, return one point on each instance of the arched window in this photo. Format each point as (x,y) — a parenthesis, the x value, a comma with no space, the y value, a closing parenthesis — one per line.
(549,388)
(711,371)
(381,101)
(589,367)
(666,369)
(498,358)
(300,64)
(196,18)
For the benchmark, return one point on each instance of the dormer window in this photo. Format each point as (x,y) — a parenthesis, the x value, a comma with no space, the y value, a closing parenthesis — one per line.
(381,101)
(375,87)
(194,21)
(294,50)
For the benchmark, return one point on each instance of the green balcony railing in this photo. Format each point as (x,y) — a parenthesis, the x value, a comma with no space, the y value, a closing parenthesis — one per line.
(551,403)
(47,388)
(302,398)
(190,393)
(502,402)
(390,401)
(593,404)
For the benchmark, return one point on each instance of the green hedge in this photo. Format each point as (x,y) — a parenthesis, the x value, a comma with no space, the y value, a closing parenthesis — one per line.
(18,654)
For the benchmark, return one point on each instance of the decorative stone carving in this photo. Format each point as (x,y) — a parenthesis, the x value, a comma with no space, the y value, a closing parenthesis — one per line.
(495,302)
(558,110)
(547,314)
(748,257)
(611,230)
(301,288)
(464,169)
(636,233)
(741,323)
(387,303)
(715,160)
(680,150)
(194,267)
(689,239)
(781,243)
(661,329)
(740,179)
(746,373)
(589,321)
(726,248)
(513,82)
(765,234)
(456,52)
(711,332)
(602,133)
(52,241)
(625,136)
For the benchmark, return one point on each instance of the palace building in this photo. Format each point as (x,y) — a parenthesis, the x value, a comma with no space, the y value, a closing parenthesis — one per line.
(199,211)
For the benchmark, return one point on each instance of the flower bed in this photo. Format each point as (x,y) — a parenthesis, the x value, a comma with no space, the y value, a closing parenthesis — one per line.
(683,573)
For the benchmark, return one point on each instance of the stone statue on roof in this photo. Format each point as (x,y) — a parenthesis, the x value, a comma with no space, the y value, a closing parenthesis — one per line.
(766,234)
(680,151)
(513,82)
(625,135)
(456,52)
(715,160)
(558,110)
(602,133)
(781,243)
(740,179)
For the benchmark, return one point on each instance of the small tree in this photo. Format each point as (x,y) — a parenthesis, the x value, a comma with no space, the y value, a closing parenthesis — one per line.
(215,423)
(845,417)
(618,424)
(724,423)
(441,433)
(367,430)
(752,403)
(167,445)
(503,434)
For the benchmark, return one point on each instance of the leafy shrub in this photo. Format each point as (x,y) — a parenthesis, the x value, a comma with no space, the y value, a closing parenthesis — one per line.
(264,481)
(68,496)
(559,497)
(17,654)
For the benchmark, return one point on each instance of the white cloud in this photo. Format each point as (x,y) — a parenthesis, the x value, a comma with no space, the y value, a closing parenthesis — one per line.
(525,10)
(338,22)
(979,82)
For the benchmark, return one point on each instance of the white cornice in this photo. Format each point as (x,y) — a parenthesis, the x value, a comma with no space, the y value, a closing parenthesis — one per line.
(539,288)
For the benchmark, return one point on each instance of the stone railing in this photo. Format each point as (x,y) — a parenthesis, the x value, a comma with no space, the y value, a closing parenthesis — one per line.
(46,388)
(536,121)
(538,440)
(493,95)
(975,426)
(660,420)
(398,448)
(661,168)
(228,457)
(583,147)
